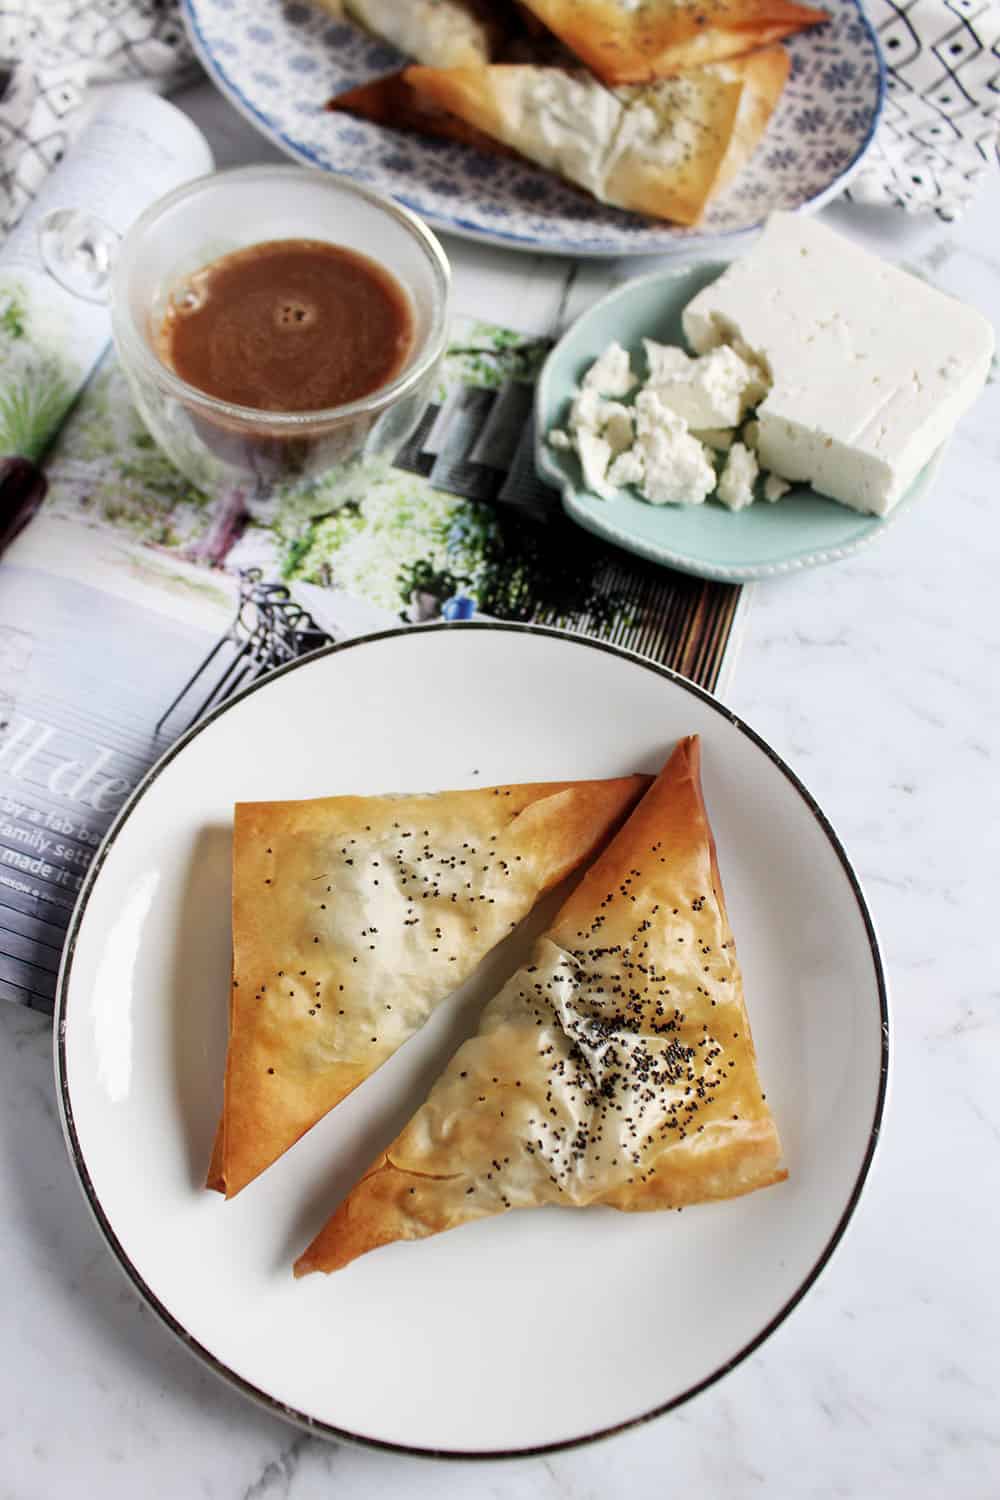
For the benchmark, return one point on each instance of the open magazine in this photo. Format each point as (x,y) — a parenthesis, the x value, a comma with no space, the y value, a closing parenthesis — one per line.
(126,609)
(132,602)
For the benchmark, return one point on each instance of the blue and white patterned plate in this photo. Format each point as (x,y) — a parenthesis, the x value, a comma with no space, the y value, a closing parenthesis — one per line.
(279,63)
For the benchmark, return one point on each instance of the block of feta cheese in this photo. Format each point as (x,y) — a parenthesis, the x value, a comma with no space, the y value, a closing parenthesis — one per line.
(870,367)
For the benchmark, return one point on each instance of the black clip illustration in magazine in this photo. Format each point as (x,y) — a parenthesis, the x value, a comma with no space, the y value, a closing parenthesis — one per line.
(269,628)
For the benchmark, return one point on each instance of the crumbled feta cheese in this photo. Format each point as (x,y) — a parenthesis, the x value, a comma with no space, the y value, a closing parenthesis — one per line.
(585,409)
(677,467)
(649,445)
(711,392)
(736,482)
(599,430)
(676,470)
(720,438)
(611,373)
(775,487)
(590,412)
(595,455)
(665,361)
(616,426)
(652,415)
(628,468)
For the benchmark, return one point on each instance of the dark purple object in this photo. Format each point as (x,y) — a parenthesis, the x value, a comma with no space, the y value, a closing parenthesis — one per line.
(22,490)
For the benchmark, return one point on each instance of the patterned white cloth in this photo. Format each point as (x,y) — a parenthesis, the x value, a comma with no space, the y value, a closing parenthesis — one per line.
(939,130)
(51,53)
(938,134)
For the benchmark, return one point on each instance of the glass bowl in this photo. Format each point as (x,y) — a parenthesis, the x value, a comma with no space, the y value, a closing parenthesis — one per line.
(215,443)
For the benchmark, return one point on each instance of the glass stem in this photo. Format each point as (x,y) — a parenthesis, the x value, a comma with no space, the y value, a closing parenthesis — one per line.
(229,519)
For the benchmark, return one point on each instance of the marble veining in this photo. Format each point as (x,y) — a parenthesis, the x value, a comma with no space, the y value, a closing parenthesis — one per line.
(876,678)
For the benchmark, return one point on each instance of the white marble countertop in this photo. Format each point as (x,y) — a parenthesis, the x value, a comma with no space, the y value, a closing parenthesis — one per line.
(877,680)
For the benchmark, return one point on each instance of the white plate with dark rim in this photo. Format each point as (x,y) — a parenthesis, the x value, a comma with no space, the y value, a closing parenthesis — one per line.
(435,1347)
(279,61)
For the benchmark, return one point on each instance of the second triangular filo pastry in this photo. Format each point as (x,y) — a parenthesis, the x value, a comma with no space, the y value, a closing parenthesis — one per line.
(617,1067)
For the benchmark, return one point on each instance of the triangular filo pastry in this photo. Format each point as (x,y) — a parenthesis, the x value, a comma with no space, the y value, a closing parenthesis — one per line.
(662,149)
(354,917)
(627,43)
(391,100)
(616,1067)
(763,76)
(444,33)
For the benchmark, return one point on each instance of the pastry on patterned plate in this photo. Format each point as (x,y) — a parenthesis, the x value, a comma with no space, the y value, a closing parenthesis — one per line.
(354,917)
(623,42)
(617,1067)
(392,100)
(662,148)
(445,33)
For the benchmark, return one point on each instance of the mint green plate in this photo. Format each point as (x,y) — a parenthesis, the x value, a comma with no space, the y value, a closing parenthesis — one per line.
(801,530)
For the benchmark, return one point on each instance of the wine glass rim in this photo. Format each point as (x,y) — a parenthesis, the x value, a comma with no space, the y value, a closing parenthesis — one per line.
(140,353)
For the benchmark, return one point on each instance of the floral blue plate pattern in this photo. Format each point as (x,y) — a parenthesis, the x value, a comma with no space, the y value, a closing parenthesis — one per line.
(279,63)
